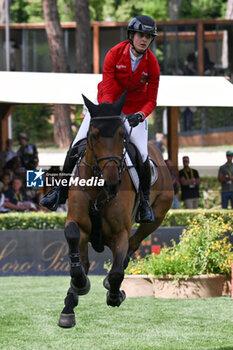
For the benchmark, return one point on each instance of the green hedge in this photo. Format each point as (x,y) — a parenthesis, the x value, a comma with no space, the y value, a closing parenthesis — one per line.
(32,221)
(46,221)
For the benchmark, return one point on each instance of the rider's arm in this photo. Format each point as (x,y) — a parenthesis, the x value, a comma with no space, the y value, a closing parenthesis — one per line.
(109,84)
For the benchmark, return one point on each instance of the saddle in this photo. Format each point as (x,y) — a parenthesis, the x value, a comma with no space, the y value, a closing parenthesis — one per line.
(133,161)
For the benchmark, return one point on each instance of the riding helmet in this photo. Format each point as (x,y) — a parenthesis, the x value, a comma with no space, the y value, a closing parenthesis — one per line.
(142,24)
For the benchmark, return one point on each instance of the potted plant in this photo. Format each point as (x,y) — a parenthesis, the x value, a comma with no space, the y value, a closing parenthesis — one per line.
(198,266)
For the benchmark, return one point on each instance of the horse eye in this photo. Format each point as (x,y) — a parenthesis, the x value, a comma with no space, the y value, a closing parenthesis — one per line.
(95,134)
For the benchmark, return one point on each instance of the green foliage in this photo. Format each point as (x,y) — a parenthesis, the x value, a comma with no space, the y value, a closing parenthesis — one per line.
(122,10)
(40,220)
(203,248)
(35,11)
(19,11)
(119,10)
(66,10)
(96,10)
(201,9)
(32,221)
(34,120)
(180,217)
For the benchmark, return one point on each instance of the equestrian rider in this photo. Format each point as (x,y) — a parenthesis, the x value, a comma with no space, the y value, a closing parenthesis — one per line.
(130,66)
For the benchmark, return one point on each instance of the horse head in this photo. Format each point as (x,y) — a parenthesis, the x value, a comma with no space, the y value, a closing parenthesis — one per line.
(105,142)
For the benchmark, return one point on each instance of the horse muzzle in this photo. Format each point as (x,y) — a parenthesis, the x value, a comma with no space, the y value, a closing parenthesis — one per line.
(112,188)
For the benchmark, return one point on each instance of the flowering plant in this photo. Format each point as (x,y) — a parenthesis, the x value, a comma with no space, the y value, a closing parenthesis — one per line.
(203,248)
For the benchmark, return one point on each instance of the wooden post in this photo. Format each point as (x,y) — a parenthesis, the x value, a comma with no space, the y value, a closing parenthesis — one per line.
(172,135)
(5,110)
(96,53)
(200,48)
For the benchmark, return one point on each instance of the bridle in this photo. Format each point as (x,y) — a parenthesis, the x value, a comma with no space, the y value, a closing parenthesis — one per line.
(98,171)
(118,160)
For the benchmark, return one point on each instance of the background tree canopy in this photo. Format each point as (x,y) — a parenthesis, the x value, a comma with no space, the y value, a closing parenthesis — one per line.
(119,10)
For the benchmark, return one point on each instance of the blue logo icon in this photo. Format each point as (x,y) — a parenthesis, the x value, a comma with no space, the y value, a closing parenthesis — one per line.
(35,178)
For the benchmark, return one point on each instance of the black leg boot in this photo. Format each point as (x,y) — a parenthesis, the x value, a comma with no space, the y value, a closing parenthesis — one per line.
(58,195)
(145,213)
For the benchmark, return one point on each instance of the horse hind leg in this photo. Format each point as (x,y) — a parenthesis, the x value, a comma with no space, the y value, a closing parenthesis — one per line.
(115,296)
(67,316)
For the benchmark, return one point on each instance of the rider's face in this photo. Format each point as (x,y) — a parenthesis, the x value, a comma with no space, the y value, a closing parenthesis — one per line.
(142,41)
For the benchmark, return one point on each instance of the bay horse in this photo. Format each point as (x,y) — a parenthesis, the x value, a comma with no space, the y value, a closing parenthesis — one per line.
(102,214)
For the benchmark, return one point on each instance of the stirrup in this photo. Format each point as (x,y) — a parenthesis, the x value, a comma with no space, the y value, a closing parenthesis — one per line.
(44,200)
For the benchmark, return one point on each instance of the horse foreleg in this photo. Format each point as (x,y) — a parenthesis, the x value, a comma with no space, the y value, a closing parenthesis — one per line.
(79,281)
(115,296)
(80,284)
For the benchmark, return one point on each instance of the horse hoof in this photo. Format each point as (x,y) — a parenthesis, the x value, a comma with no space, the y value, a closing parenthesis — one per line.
(81,291)
(106,283)
(115,299)
(66,320)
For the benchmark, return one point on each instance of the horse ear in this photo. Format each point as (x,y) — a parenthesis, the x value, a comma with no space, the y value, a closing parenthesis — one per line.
(118,105)
(90,105)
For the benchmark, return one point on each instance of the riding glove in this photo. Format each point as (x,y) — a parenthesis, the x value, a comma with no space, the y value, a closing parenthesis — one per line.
(134,119)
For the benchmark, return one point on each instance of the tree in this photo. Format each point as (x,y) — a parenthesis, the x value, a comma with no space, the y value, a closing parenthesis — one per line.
(174,9)
(62,122)
(83,36)
(2,11)
(227,56)
(201,8)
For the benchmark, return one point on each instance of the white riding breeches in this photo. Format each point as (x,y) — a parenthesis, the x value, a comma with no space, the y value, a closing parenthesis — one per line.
(139,134)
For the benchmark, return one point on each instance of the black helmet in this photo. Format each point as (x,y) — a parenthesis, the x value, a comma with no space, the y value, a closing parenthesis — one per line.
(142,24)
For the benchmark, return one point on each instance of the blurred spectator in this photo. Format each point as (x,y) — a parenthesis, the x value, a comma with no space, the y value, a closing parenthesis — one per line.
(208,64)
(159,142)
(8,153)
(16,198)
(190,65)
(6,181)
(190,181)
(187,113)
(175,183)
(225,177)
(3,209)
(28,153)
(13,167)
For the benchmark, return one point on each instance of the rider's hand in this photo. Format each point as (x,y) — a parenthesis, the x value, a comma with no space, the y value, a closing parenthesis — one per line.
(134,119)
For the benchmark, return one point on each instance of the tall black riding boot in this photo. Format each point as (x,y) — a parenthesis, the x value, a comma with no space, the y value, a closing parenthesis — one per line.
(58,195)
(145,213)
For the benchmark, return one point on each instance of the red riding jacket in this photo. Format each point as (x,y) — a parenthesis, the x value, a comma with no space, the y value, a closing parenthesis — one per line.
(141,85)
